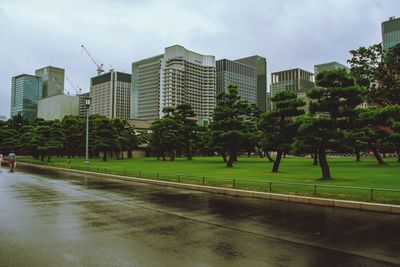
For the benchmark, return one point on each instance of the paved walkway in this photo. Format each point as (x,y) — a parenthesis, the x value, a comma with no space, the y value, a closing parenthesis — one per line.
(53,219)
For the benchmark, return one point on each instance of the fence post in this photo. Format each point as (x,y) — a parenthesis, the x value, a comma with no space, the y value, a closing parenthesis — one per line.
(204,180)
(315,190)
(233,183)
(372,191)
(178,178)
(270,186)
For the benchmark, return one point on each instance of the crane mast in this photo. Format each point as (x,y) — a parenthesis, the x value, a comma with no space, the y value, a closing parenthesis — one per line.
(100,69)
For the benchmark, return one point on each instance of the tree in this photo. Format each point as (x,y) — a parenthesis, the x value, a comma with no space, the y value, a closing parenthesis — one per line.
(74,135)
(228,128)
(105,136)
(278,126)
(187,127)
(332,109)
(164,137)
(379,72)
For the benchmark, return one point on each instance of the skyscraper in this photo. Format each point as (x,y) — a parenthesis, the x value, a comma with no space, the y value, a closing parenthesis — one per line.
(178,76)
(145,103)
(244,76)
(26,90)
(82,103)
(260,64)
(329,66)
(295,80)
(390,33)
(111,95)
(53,80)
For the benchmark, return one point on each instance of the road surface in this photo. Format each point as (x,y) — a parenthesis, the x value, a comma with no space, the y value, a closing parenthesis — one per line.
(48,218)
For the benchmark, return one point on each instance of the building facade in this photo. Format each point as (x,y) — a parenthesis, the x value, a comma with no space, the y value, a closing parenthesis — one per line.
(260,64)
(243,76)
(53,80)
(111,95)
(188,77)
(3,118)
(390,33)
(295,80)
(82,104)
(145,103)
(329,66)
(176,77)
(57,107)
(26,90)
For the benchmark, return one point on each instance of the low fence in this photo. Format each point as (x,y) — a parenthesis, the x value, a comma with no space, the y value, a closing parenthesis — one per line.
(380,195)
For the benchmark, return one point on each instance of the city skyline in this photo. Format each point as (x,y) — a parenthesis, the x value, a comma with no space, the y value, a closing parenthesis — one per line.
(288,34)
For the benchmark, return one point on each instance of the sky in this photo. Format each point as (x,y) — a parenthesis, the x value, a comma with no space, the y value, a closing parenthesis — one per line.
(288,33)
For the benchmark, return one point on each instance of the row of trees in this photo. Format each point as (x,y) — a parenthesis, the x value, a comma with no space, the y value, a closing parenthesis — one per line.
(335,118)
(43,139)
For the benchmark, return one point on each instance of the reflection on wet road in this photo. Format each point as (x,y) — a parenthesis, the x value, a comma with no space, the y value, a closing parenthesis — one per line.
(49,218)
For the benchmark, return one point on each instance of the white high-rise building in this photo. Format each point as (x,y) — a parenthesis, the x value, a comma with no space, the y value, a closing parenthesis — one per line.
(176,77)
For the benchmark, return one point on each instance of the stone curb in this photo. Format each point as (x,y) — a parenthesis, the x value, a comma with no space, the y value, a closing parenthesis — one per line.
(362,206)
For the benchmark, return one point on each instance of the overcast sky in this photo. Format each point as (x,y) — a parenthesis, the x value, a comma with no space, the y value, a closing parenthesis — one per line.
(289,33)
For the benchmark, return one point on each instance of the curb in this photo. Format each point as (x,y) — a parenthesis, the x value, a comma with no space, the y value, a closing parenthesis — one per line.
(347,204)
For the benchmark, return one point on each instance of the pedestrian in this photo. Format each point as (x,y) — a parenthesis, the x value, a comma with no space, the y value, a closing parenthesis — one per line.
(1,159)
(11,161)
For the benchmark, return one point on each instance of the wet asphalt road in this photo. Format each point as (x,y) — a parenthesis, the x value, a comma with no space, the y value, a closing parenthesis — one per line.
(57,219)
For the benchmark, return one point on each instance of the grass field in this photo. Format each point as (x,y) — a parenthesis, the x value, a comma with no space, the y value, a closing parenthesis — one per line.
(254,173)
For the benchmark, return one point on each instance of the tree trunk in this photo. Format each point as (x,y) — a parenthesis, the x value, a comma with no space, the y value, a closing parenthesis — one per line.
(235,156)
(130,155)
(172,156)
(163,156)
(315,157)
(277,161)
(231,159)
(378,157)
(42,158)
(104,156)
(323,163)
(358,156)
(224,157)
(260,154)
(248,154)
(48,158)
(269,157)
(189,154)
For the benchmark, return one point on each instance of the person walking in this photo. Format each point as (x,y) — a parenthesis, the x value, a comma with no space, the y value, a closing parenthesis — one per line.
(11,161)
(1,159)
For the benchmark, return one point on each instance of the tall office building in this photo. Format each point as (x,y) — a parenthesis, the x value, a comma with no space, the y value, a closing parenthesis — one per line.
(329,66)
(295,80)
(269,102)
(260,64)
(111,95)
(178,76)
(145,103)
(390,33)
(82,104)
(243,76)
(26,90)
(53,80)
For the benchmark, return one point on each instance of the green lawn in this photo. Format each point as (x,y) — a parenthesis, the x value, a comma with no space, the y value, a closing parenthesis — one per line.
(253,173)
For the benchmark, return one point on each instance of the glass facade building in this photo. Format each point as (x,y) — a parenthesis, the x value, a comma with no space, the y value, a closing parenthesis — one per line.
(390,33)
(260,64)
(241,75)
(145,103)
(53,80)
(26,90)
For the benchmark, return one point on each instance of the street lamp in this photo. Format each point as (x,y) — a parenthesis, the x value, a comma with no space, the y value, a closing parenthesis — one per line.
(87,103)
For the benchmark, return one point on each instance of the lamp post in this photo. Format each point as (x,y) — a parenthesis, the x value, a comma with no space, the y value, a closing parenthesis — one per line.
(87,103)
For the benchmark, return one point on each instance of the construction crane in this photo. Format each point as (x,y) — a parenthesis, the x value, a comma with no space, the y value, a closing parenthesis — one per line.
(99,66)
(77,89)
